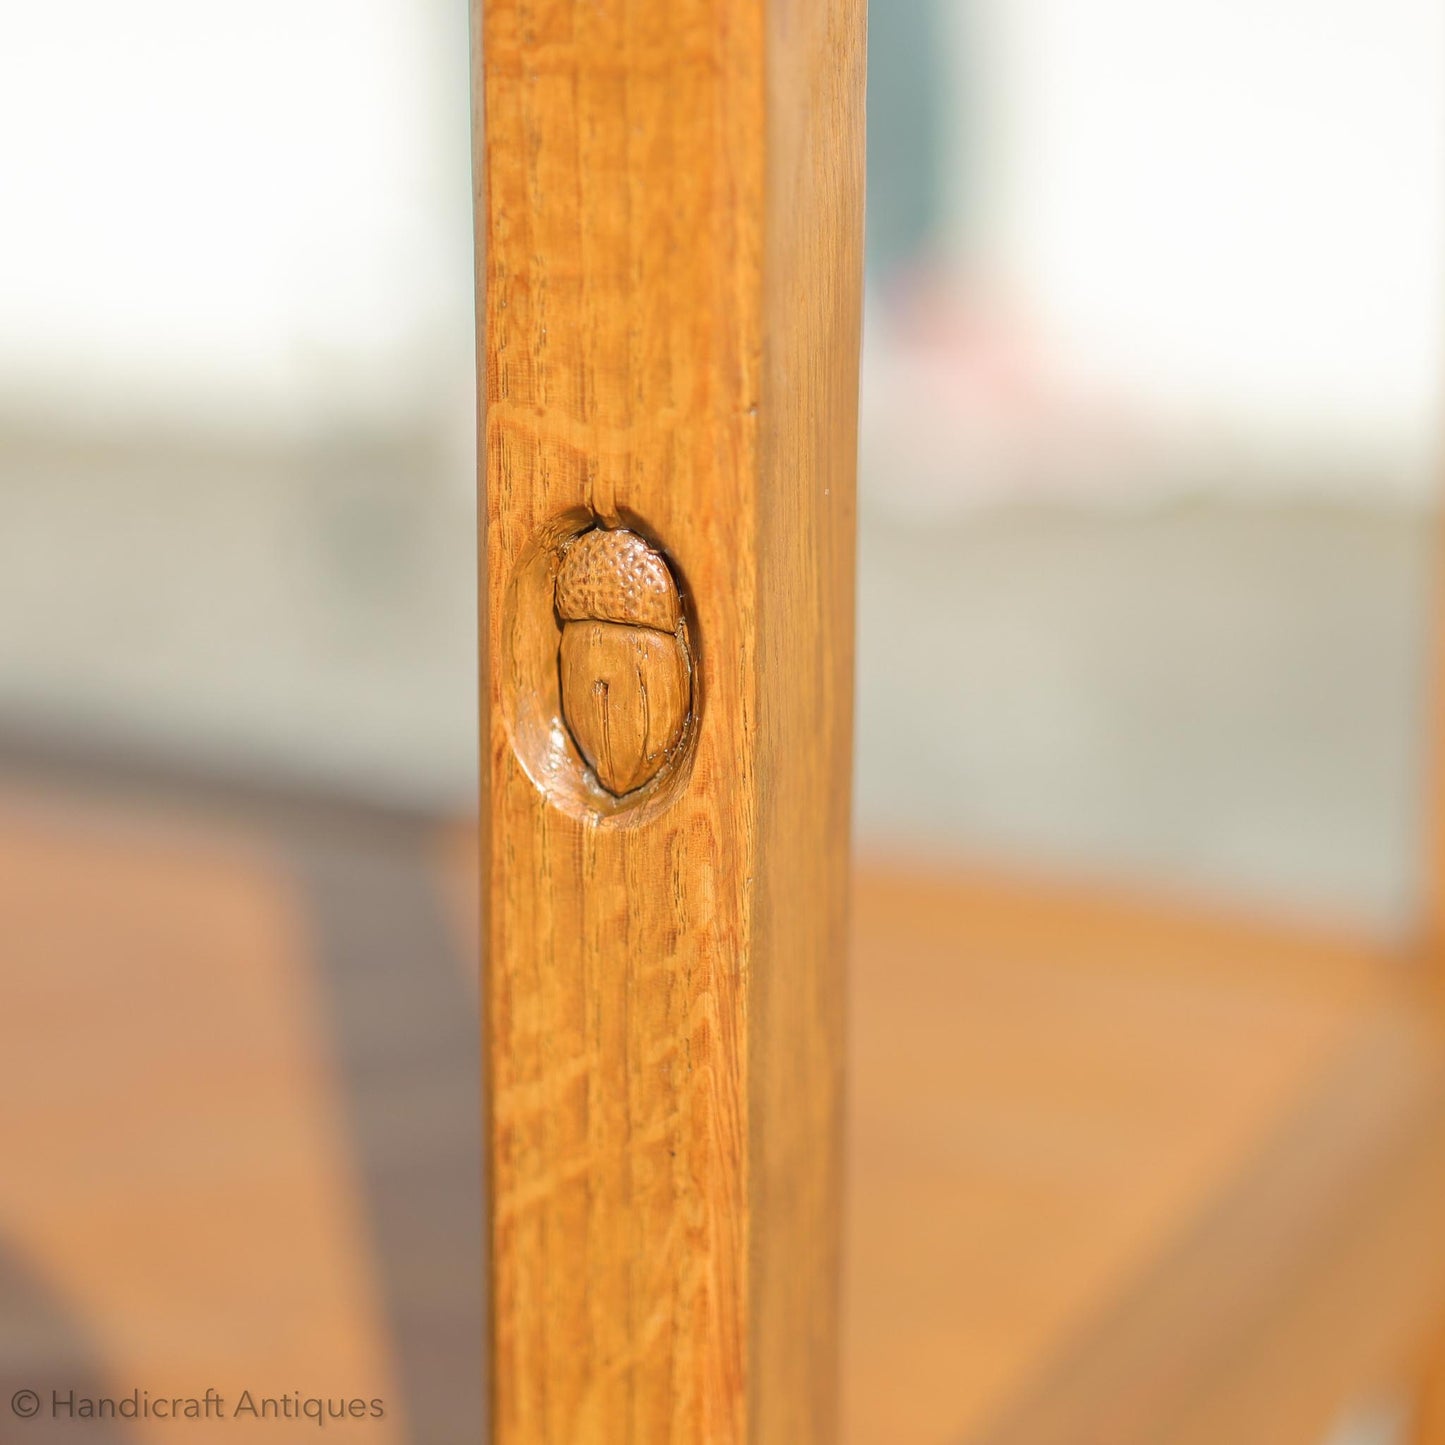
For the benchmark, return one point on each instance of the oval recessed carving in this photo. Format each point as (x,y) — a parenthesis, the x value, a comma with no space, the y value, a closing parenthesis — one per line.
(626,675)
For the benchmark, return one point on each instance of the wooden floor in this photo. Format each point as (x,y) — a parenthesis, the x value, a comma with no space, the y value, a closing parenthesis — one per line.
(1119,1173)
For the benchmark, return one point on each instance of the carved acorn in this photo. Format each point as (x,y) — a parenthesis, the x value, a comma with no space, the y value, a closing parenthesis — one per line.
(625,671)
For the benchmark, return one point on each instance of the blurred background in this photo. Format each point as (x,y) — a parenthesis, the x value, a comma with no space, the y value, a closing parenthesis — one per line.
(1154,313)
(1149,495)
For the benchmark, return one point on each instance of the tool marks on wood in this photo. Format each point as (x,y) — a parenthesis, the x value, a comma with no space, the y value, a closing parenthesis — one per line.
(624,663)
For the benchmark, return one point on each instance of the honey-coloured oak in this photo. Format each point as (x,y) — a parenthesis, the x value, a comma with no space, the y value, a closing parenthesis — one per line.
(624,664)
(625,694)
(670,222)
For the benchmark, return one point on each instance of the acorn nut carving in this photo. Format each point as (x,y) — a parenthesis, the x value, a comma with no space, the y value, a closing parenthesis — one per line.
(625,670)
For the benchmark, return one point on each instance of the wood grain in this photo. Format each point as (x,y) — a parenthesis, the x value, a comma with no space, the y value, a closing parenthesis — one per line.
(625,695)
(670,214)
(624,661)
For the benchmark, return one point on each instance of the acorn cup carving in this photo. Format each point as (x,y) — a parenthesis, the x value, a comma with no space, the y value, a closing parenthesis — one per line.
(625,671)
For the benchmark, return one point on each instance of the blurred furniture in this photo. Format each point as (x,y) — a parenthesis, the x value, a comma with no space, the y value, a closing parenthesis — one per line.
(239,1049)
(1116,1171)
